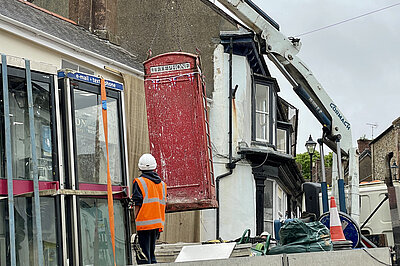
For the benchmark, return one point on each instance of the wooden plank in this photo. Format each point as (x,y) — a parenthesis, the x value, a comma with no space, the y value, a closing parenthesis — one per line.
(181,227)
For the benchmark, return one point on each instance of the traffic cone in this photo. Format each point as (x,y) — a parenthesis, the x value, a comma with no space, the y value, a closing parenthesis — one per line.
(335,224)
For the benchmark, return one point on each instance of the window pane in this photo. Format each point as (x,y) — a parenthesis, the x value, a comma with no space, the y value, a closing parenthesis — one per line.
(95,233)
(281,140)
(262,127)
(262,112)
(262,98)
(41,108)
(90,140)
(25,232)
(20,129)
(273,119)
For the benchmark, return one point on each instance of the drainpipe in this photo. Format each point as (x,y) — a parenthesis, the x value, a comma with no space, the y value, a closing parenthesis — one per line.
(232,163)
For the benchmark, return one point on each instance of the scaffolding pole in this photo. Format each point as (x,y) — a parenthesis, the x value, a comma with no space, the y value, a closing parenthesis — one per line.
(10,190)
(38,218)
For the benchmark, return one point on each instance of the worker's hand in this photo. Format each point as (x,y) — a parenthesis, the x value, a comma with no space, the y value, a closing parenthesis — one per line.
(130,203)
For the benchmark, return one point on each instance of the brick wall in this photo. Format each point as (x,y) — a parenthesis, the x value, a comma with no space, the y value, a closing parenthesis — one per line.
(363,144)
(387,142)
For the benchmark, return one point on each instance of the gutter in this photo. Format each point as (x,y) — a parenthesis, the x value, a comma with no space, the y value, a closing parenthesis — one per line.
(40,37)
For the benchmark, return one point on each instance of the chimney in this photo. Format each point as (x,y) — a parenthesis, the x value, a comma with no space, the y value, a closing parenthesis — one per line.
(396,122)
(363,144)
(97,16)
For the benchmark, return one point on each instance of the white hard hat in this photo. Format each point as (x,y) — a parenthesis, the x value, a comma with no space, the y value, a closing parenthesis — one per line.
(147,162)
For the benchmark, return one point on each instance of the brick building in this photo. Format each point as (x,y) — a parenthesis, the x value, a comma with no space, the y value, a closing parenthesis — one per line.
(387,141)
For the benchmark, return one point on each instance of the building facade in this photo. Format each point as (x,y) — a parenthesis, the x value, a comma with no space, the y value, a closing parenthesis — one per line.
(253,130)
(56,136)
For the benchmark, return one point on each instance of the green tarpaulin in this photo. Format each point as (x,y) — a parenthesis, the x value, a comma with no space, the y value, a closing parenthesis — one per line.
(298,236)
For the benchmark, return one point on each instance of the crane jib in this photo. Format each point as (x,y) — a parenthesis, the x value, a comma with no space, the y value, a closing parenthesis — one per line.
(339,114)
(313,106)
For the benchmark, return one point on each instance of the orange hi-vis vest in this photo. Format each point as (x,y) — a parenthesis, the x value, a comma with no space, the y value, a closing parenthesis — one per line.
(152,213)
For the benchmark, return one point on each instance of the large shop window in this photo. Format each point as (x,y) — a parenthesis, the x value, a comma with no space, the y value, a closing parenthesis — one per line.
(90,161)
(25,232)
(91,155)
(19,123)
(96,247)
(26,249)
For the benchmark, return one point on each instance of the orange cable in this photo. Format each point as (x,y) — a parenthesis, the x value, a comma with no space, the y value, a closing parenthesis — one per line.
(109,186)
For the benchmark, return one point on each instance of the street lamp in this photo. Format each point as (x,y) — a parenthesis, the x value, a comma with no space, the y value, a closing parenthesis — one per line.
(394,169)
(310,145)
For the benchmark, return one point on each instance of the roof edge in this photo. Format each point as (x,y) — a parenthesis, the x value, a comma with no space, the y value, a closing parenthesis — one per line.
(381,135)
(55,43)
(48,12)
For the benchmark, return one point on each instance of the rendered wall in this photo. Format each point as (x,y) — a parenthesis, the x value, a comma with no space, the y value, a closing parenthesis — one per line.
(237,191)
(188,24)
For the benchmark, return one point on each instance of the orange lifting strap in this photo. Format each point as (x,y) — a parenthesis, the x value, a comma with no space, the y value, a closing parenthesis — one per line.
(109,187)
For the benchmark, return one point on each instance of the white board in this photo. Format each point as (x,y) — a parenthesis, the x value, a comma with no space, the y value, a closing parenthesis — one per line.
(205,252)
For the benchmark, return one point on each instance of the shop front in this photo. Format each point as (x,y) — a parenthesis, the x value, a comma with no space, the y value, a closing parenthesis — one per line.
(54,167)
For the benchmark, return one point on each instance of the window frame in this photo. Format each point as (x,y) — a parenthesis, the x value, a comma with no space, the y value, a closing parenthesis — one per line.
(38,76)
(271,84)
(128,257)
(287,128)
(57,221)
(22,186)
(110,93)
(68,86)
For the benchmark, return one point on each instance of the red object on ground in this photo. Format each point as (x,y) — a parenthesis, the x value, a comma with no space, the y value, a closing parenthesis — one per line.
(335,224)
(178,130)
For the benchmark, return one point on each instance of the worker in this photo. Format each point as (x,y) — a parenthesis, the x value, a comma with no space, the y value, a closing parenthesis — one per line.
(149,197)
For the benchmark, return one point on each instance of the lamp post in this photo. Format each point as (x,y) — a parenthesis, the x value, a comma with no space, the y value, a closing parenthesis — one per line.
(310,145)
(394,169)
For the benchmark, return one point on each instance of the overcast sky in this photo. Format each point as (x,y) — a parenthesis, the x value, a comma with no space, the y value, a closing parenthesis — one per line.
(357,63)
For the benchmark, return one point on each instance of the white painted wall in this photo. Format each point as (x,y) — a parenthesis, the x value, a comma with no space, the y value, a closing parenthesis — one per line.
(237,191)
(219,112)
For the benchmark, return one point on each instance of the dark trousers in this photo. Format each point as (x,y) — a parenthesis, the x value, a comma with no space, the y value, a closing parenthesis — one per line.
(147,241)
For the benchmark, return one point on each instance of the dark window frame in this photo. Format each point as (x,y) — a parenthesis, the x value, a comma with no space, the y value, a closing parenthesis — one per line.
(272,84)
(45,78)
(49,79)
(110,93)
(95,89)
(128,257)
(288,128)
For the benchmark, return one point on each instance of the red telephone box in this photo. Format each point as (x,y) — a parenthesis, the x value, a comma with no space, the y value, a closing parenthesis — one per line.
(179,131)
